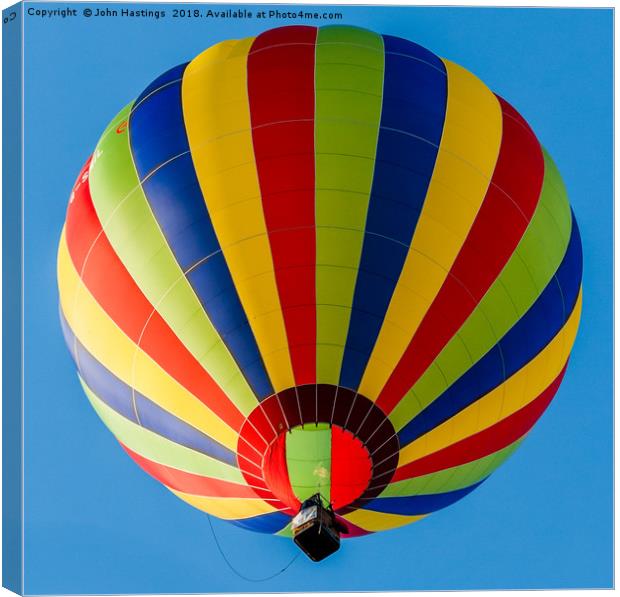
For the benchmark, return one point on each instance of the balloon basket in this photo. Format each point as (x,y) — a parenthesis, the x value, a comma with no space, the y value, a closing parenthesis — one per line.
(315,530)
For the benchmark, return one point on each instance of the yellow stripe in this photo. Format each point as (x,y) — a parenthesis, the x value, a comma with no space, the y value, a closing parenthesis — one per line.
(227,508)
(217,117)
(465,162)
(116,351)
(379,521)
(515,393)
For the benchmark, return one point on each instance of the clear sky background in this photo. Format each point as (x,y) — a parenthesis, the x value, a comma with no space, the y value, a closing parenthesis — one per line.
(94,522)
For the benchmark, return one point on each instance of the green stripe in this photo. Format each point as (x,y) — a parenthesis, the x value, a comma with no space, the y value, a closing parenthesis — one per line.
(452,478)
(308,459)
(527,272)
(133,231)
(286,532)
(158,448)
(349,87)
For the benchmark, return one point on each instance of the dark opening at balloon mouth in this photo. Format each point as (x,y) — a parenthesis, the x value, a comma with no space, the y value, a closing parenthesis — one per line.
(318,439)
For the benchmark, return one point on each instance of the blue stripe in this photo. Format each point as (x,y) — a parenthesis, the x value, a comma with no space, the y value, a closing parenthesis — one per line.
(158,136)
(118,396)
(170,76)
(265,523)
(521,344)
(419,504)
(106,386)
(412,117)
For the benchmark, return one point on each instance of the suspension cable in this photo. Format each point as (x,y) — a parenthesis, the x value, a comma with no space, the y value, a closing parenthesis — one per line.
(241,575)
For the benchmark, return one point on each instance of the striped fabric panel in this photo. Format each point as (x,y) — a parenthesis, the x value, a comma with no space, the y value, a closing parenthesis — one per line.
(112,349)
(506,399)
(163,162)
(353,530)
(187,482)
(185,469)
(374,522)
(505,213)
(527,273)
(267,523)
(280,71)
(219,130)
(485,442)
(139,409)
(349,89)
(525,339)
(451,477)
(252,513)
(137,239)
(412,117)
(463,465)
(170,77)
(465,161)
(115,291)
(418,505)
(158,448)
(514,394)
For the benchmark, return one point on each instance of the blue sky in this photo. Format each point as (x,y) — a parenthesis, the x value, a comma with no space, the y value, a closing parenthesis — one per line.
(95,523)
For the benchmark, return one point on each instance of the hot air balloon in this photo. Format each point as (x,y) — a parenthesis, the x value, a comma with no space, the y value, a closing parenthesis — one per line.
(319,275)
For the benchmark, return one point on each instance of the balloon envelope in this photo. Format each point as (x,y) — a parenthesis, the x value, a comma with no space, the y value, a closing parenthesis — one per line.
(319,260)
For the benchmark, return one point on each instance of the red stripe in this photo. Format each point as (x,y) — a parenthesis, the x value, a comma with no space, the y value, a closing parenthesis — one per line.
(114,289)
(189,482)
(503,217)
(354,530)
(485,442)
(275,470)
(250,465)
(80,237)
(281,98)
(249,461)
(350,468)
